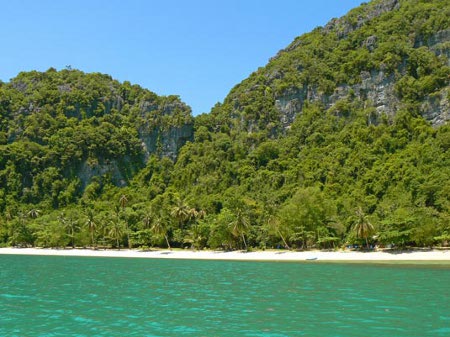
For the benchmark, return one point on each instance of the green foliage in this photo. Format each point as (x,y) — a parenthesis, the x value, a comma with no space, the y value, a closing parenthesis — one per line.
(73,170)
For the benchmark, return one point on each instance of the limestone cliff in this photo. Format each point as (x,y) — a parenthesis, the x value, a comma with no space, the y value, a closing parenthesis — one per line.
(377,88)
(86,126)
(386,54)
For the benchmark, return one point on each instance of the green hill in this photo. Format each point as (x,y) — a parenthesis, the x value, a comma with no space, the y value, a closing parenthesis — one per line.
(342,138)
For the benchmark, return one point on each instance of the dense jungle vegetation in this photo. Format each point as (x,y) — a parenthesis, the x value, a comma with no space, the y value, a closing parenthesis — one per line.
(74,171)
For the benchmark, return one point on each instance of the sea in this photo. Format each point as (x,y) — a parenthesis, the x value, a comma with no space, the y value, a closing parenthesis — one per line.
(92,296)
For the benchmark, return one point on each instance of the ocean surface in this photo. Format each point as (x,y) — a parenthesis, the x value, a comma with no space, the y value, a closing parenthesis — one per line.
(85,296)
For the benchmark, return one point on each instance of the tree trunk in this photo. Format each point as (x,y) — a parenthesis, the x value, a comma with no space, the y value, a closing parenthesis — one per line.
(128,235)
(284,241)
(245,243)
(168,244)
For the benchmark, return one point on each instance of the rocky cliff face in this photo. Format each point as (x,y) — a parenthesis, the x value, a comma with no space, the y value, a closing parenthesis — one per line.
(376,88)
(165,133)
(165,143)
(89,125)
(160,138)
(296,74)
(345,25)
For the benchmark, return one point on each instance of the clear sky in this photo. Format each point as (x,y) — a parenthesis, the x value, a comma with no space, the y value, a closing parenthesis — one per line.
(197,49)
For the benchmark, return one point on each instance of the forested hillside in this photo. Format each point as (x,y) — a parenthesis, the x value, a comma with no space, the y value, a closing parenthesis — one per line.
(342,138)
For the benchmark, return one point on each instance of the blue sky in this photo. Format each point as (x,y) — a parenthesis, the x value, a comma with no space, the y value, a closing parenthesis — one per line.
(197,49)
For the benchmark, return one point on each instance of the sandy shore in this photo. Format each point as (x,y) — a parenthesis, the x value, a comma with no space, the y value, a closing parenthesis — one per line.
(349,256)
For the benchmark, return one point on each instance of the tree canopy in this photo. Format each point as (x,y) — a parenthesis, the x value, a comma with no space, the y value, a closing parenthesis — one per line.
(298,155)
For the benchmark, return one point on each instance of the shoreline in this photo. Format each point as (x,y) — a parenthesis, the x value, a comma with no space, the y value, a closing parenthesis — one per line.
(421,256)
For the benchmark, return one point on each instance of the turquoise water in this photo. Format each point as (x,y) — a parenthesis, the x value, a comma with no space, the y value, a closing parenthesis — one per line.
(76,296)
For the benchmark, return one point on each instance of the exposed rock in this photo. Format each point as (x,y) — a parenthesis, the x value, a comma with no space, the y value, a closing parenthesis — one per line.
(98,169)
(370,42)
(289,107)
(165,143)
(20,86)
(436,108)
(439,43)
(345,25)
(63,88)
(376,88)
(120,171)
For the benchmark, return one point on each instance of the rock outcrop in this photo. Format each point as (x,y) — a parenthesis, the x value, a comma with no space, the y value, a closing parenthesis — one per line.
(91,125)
(375,87)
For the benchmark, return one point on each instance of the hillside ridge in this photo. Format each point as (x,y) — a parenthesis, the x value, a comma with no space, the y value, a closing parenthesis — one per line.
(341,139)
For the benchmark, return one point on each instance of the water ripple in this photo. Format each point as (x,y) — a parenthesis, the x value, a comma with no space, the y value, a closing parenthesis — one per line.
(54,296)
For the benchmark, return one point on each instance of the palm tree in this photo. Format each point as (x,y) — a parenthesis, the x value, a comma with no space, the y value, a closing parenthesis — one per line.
(9,215)
(192,215)
(180,212)
(240,226)
(362,227)
(160,228)
(123,200)
(274,224)
(91,224)
(71,226)
(147,219)
(201,214)
(116,231)
(34,213)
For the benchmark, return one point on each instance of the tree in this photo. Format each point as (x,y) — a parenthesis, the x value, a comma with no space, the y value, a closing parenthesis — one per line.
(91,225)
(116,230)
(362,226)
(192,215)
(19,232)
(220,235)
(50,232)
(240,226)
(70,225)
(34,213)
(274,225)
(301,215)
(299,134)
(160,228)
(199,230)
(181,212)
(123,201)
(147,220)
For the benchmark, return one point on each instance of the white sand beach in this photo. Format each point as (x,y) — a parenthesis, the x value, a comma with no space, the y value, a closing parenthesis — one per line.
(272,255)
